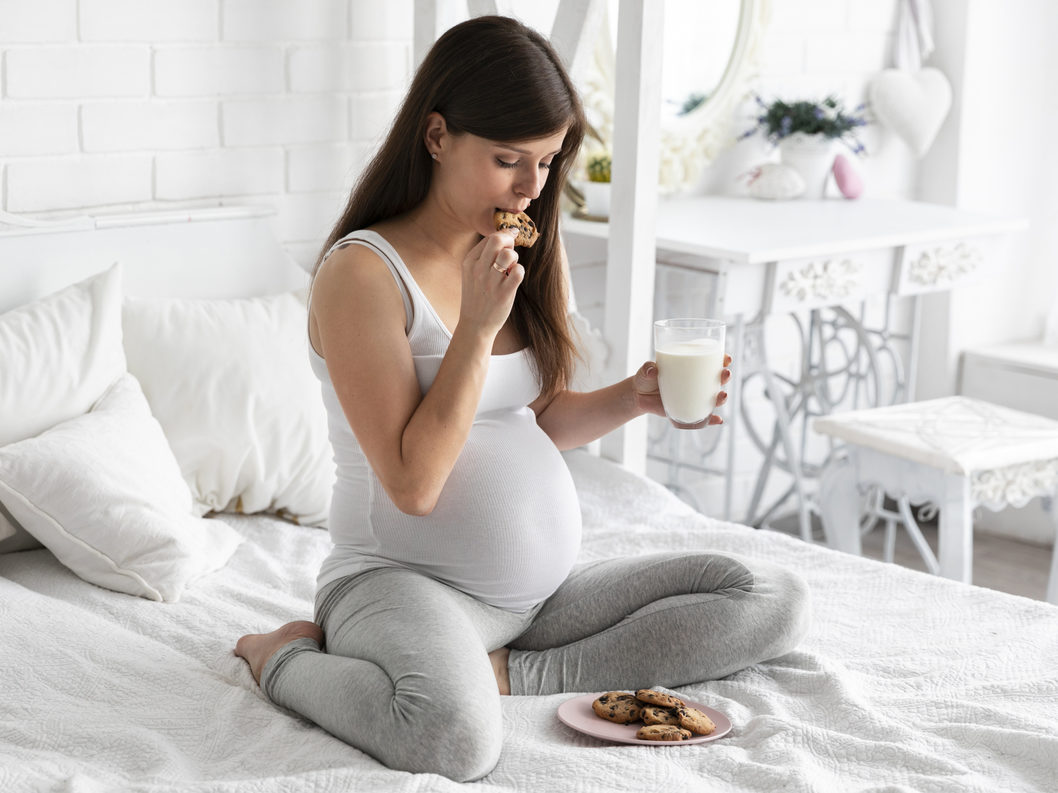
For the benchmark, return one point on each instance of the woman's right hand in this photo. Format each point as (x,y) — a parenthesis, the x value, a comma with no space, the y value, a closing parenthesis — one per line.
(488,291)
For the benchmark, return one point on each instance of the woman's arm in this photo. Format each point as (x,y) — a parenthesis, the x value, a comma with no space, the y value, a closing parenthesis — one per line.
(573,418)
(411,441)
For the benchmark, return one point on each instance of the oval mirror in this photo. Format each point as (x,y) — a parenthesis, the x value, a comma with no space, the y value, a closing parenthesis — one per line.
(711,55)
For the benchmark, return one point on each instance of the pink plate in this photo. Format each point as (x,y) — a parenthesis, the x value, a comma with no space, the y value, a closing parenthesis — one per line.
(577,713)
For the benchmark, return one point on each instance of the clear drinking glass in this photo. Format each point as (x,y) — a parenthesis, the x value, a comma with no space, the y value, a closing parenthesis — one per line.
(690,357)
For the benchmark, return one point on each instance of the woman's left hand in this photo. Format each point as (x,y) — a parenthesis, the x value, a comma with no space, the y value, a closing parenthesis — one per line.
(648,400)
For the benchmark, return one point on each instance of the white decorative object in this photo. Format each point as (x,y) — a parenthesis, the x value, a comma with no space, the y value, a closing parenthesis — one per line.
(1015,485)
(912,104)
(944,265)
(847,178)
(826,280)
(596,198)
(956,452)
(812,156)
(913,41)
(775,180)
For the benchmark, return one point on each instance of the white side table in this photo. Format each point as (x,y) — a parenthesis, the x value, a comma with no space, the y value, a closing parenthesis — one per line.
(956,452)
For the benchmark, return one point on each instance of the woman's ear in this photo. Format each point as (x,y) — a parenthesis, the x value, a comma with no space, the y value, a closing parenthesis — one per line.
(436,134)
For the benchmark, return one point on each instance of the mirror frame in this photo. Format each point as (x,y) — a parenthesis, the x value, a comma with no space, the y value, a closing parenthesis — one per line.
(689,143)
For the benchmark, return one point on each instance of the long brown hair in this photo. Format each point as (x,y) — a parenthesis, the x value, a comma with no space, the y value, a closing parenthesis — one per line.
(498,79)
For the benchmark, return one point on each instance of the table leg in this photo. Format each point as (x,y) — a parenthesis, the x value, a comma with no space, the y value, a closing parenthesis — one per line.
(1052,582)
(839,503)
(736,345)
(911,380)
(793,456)
(956,529)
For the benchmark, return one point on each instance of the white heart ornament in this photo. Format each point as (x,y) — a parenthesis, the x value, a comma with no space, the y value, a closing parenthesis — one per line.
(913,105)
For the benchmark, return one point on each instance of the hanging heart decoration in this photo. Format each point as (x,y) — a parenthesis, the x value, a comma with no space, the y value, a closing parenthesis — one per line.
(912,104)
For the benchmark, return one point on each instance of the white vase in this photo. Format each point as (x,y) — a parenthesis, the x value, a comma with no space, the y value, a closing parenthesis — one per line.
(812,156)
(596,199)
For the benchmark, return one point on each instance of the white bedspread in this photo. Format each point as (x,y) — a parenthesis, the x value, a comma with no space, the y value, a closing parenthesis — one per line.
(906,682)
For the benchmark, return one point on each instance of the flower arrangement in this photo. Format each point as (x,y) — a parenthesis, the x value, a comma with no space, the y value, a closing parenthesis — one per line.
(828,118)
(598,167)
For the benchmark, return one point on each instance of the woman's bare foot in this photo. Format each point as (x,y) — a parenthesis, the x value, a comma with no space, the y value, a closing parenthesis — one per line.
(257,648)
(499,667)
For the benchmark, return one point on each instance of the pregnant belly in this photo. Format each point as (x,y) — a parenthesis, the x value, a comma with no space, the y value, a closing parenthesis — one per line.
(506,528)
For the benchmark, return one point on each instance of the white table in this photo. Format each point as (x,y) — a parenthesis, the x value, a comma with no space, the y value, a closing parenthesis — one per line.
(754,259)
(955,452)
(1022,375)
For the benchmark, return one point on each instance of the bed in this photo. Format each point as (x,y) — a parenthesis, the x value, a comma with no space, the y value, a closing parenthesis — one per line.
(190,512)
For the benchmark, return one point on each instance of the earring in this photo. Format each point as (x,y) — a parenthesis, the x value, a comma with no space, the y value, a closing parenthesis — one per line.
(434,155)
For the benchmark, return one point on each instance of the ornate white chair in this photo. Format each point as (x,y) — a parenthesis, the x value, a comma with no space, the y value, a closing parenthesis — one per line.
(955,452)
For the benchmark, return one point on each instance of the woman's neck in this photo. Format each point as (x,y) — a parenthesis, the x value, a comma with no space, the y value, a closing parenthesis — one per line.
(439,232)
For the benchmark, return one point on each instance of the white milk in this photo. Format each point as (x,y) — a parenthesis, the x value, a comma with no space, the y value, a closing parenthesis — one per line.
(689,378)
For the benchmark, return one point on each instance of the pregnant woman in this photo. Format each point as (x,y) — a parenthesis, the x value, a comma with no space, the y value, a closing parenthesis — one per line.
(444,353)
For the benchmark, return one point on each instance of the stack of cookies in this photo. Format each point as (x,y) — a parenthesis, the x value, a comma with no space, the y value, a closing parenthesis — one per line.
(664,717)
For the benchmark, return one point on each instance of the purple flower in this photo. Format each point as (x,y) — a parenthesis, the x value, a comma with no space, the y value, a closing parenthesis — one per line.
(827,117)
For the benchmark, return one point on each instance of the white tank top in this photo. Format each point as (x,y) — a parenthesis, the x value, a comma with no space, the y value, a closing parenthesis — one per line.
(506,528)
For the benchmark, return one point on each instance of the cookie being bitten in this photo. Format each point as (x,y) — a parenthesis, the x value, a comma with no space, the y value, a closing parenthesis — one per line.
(618,707)
(527,233)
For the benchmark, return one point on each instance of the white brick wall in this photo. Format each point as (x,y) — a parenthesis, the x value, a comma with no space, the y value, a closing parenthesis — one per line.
(59,71)
(40,184)
(37,21)
(204,70)
(134,104)
(141,125)
(148,20)
(112,105)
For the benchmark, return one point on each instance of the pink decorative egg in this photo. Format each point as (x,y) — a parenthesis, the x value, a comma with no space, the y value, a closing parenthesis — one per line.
(848,180)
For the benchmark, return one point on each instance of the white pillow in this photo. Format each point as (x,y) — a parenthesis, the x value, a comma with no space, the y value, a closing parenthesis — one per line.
(230,382)
(57,357)
(103,492)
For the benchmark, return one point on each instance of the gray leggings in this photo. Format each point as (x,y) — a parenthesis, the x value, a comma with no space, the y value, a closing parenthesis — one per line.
(406,677)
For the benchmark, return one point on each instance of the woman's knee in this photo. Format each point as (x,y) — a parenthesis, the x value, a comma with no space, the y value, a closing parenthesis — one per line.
(788,609)
(463,743)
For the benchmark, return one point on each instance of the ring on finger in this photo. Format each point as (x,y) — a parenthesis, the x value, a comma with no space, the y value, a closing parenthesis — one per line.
(499,269)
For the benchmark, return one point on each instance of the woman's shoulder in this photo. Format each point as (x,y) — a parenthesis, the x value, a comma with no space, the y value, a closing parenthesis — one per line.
(360,271)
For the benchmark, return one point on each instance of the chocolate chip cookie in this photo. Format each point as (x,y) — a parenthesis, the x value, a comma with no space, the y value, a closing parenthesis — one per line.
(619,707)
(652,714)
(662,732)
(527,233)
(662,700)
(694,720)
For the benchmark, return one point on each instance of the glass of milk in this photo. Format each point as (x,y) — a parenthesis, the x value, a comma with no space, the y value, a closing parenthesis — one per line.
(690,357)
